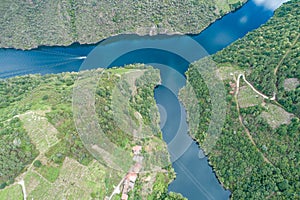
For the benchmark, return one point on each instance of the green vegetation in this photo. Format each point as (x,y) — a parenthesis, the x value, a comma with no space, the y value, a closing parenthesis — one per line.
(272,54)
(28,24)
(247,97)
(42,133)
(12,193)
(291,84)
(276,116)
(74,181)
(137,95)
(41,145)
(160,190)
(16,151)
(225,5)
(37,163)
(49,172)
(257,154)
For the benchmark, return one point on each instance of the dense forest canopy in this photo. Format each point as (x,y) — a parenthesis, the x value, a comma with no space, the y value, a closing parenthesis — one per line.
(257,154)
(271,53)
(255,157)
(31,23)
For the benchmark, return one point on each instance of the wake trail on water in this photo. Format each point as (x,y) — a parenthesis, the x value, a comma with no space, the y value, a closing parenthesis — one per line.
(58,53)
(9,73)
(60,63)
(19,72)
(44,63)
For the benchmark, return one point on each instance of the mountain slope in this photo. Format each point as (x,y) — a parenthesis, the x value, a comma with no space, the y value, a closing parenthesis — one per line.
(30,23)
(257,154)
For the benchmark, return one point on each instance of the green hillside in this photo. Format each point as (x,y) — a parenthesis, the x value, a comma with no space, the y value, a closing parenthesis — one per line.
(41,146)
(257,154)
(29,23)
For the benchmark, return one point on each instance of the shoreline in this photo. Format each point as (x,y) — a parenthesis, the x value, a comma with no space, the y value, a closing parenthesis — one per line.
(210,164)
(157,31)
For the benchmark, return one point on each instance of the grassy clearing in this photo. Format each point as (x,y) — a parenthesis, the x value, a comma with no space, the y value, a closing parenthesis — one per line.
(247,97)
(131,78)
(291,84)
(51,173)
(226,5)
(12,193)
(36,186)
(275,116)
(227,71)
(120,70)
(155,155)
(42,133)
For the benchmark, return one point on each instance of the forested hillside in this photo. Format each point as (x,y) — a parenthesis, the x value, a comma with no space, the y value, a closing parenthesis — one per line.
(257,154)
(272,54)
(30,23)
(41,146)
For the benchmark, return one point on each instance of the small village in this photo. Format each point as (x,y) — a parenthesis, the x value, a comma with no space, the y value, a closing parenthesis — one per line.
(127,183)
(132,175)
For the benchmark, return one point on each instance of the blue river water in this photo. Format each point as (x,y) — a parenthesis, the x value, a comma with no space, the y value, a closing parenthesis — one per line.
(195,177)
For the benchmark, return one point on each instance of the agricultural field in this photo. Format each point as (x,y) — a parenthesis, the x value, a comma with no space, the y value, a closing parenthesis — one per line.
(12,193)
(74,181)
(247,97)
(42,133)
(51,158)
(275,116)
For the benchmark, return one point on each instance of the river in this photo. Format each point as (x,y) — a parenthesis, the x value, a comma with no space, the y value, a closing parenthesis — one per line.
(195,177)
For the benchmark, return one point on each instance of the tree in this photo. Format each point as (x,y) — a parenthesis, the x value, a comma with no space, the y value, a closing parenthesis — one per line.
(37,163)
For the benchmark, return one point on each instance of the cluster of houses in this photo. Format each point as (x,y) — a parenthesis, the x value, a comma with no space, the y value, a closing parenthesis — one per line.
(132,175)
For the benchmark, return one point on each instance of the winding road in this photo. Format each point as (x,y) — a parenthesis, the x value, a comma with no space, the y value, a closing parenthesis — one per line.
(251,86)
(240,116)
(117,189)
(21,182)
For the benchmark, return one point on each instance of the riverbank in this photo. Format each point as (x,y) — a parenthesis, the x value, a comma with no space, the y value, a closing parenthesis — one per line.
(42,55)
(43,114)
(66,22)
(247,156)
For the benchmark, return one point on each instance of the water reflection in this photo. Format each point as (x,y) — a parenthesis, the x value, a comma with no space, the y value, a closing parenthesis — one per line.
(270,4)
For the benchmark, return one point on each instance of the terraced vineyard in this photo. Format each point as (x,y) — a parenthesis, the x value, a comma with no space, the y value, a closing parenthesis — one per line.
(43,147)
